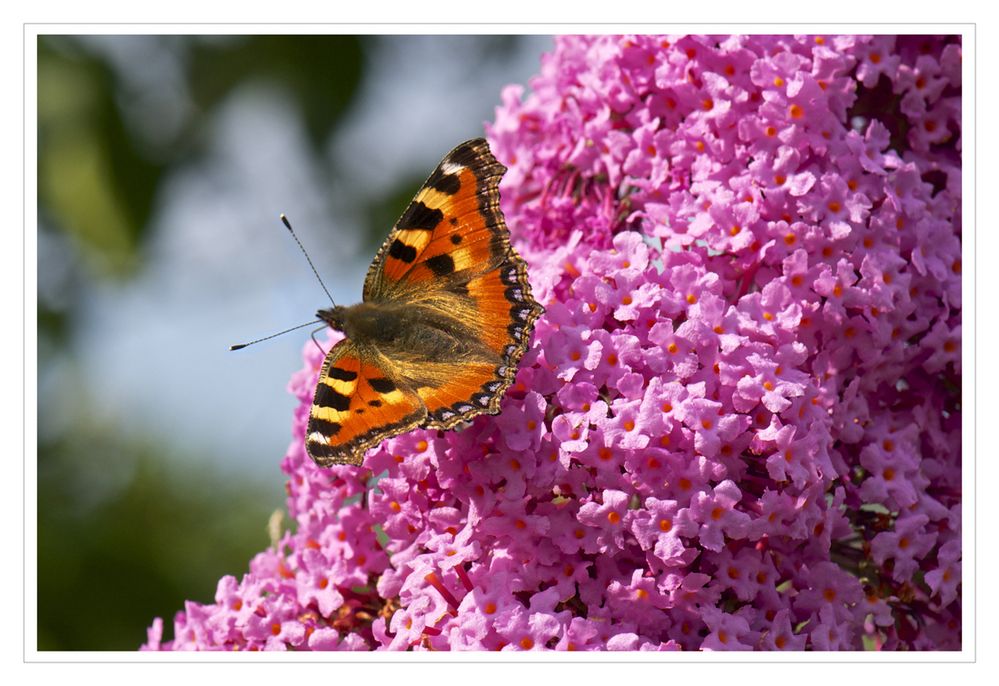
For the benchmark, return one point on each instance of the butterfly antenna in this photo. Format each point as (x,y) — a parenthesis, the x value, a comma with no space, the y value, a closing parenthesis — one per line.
(284,220)
(240,346)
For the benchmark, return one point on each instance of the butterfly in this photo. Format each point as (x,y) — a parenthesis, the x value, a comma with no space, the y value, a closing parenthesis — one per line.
(446,316)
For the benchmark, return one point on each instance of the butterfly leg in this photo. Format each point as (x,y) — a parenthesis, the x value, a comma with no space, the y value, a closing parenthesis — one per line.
(312,335)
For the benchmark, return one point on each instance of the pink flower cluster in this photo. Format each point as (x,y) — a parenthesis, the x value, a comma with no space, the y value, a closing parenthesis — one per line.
(738,426)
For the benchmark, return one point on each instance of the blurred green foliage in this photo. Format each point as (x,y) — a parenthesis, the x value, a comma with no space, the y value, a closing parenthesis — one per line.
(92,182)
(98,178)
(123,536)
(109,562)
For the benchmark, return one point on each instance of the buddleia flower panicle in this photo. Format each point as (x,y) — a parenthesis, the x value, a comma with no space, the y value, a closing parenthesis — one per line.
(738,426)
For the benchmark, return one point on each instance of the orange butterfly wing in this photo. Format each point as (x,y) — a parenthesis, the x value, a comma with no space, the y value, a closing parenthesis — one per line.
(450,252)
(356,406)
(453,239)
(506,313)
(453,225)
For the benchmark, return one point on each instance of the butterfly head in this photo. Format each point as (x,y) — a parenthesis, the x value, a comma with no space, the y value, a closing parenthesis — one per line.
(334,316)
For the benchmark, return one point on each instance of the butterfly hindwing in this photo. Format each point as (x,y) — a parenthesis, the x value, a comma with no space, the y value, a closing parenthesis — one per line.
(505,316)
(356,406)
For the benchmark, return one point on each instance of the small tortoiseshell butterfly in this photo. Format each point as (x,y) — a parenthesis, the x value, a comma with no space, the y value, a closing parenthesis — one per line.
(446,316)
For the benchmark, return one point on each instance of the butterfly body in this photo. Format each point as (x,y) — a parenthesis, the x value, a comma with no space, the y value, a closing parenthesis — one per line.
(415,337)
(446,317)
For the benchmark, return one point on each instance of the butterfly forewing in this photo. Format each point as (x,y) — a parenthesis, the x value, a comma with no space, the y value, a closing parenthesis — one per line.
(453,225)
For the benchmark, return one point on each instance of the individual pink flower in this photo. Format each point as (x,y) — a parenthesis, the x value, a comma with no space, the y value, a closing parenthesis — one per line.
(904,546)
(727,631)
(718,517)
